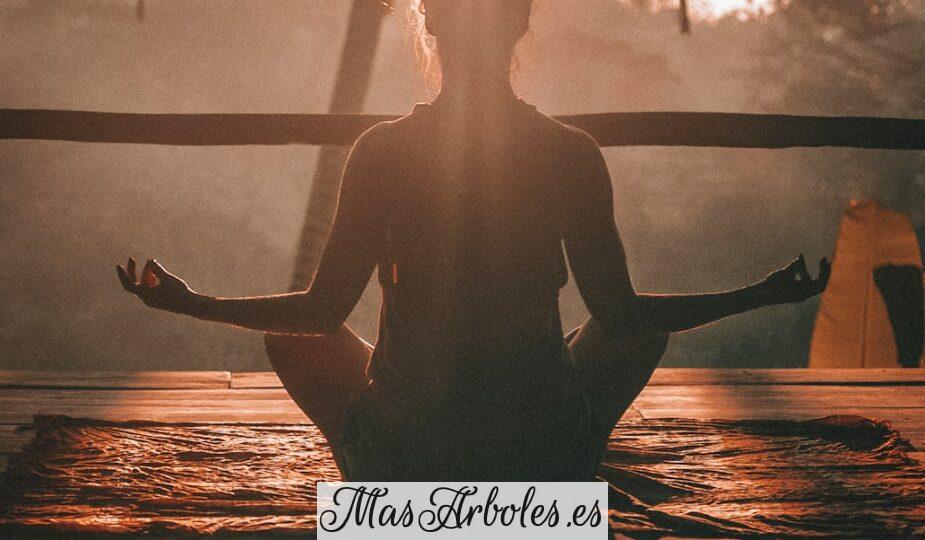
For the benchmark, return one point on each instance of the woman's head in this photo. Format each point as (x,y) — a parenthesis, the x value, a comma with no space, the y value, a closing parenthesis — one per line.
(476,35)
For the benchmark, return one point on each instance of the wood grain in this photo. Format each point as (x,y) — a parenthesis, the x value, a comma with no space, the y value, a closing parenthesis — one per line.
(115,379)
(258,379)
(705,376)
(837,377)
(220,397)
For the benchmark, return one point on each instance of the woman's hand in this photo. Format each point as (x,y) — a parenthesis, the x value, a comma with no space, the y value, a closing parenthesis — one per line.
(794,284)
(157,287)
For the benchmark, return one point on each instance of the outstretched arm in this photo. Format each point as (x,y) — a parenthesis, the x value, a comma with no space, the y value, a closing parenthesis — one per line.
(676,313)
(345,268)
(598,263)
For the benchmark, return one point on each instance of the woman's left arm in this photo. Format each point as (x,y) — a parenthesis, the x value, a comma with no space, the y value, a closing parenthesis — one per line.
(681,312)
(346,265)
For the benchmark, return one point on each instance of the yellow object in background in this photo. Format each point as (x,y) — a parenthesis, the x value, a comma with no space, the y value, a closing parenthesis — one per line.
(853,328)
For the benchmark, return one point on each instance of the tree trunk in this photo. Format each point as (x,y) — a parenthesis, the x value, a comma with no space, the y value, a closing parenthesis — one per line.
(350,89)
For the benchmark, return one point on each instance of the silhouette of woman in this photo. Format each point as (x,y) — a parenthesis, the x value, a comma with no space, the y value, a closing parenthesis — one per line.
(464,207)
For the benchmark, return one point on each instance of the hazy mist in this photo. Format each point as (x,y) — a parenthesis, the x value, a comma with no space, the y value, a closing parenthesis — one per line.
(227,219)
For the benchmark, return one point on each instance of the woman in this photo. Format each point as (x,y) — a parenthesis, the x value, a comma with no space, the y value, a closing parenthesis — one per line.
(464,207)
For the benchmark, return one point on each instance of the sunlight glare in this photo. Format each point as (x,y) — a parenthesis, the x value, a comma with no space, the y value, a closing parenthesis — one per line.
(714,9)
(711,10)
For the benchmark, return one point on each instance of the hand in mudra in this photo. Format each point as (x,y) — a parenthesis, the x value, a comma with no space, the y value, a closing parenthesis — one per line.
(793,283)
(157,287)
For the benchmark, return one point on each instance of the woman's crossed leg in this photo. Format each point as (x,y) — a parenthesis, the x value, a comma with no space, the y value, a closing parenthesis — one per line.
(612,373)
(323,374)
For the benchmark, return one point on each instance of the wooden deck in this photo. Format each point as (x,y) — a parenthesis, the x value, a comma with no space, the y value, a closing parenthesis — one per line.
(223,397)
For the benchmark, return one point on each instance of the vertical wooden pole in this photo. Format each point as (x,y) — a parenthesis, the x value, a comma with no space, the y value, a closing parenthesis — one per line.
(684,13)
(350,90)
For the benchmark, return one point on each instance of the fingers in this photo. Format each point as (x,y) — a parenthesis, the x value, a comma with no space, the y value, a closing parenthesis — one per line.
(152,275)
(127,283)
(825,268)
(127,275)
(801,283)
(130,270)
(802,271)
(797,269)
(825,272)
(158,270)
(157,273)
(149,277)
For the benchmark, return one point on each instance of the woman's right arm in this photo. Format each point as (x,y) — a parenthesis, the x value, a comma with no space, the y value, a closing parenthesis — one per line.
(598,262)
(346,265)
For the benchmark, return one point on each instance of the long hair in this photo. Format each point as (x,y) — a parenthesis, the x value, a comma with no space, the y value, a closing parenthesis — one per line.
(425,47)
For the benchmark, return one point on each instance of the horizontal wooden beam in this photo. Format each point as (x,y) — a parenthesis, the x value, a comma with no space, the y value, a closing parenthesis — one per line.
(689,377)
(220,380)
(116,380)
(728,130)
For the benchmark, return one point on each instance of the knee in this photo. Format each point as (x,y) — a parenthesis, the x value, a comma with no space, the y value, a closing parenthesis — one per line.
(291,343)
(292,352)
(649,345)
(642,353)
(654,345)
(342,348)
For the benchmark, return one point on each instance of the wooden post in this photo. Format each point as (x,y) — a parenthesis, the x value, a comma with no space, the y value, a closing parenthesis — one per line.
(350,89)
(684,13)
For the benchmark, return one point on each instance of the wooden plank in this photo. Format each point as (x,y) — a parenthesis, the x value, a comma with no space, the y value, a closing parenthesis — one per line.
(228,411)
(115,379)
(871,377)
(258,397)
(283,412)
(93,395)
(916,435)
(256,379)
(730,130)
(676,397)
(662,377)
(707,376)
(911,417)
(781,397)
(19,406)
(909,422)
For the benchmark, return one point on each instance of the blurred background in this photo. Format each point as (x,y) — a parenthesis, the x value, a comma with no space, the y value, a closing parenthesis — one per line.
(227,219)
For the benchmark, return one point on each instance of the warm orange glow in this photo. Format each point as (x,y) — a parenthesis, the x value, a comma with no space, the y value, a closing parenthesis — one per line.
(718,8)
(701,10)
(714,9)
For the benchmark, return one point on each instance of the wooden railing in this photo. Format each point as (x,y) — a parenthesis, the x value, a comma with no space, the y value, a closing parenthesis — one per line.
(728,130)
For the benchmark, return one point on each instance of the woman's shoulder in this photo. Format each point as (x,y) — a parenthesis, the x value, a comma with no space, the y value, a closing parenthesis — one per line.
(575,137)
(566,135)
(390,132)
(541,127)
